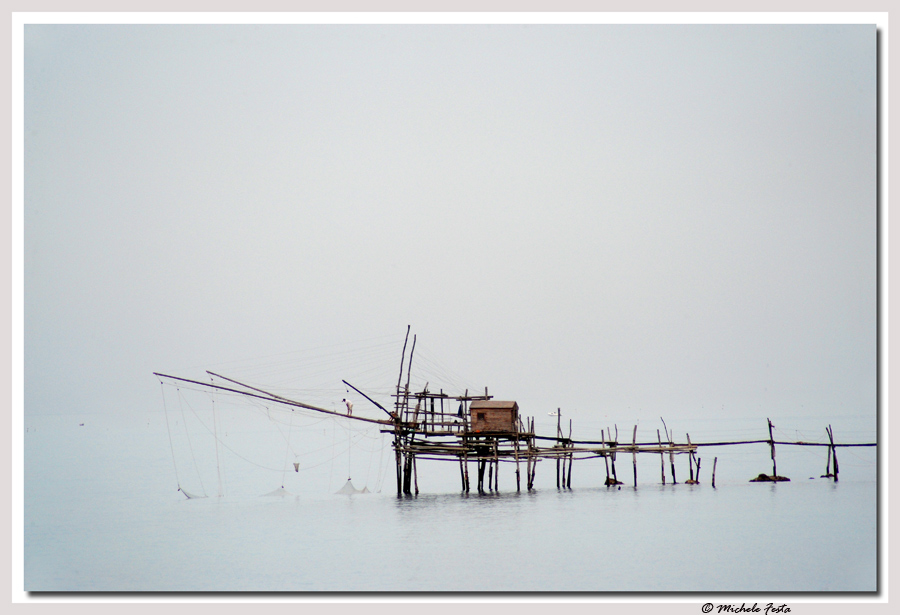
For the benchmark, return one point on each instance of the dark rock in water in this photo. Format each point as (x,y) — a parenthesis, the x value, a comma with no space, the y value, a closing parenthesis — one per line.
(763,478)
(691,481)
(611,481)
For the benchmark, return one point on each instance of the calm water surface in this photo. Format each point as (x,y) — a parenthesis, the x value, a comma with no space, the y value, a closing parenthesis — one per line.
(102,513)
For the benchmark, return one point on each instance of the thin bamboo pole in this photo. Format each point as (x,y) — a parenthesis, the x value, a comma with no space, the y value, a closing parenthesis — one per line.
(772,448)
(662,459)
(496,461)
(518,484)
(833,452)
(634,454)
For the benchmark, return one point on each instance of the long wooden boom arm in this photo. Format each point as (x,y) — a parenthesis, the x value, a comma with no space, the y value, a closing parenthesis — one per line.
(272,398)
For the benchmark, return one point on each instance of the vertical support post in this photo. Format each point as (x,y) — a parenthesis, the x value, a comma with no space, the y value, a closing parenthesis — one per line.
(528,462)
(558,442)
(690,457)
(415,475)
(496,460)
(605,456)
(672,456)
(715,460)
(772,447)
(399,467)
(662,459)
(518,483)
(634,454)
(466,461)
(480,475)
(833,452)
(533,447)
(615,443)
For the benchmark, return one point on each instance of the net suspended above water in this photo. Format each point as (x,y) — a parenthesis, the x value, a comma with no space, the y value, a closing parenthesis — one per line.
(349,489)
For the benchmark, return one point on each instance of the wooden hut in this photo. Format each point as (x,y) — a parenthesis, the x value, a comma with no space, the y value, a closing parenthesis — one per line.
(493,416)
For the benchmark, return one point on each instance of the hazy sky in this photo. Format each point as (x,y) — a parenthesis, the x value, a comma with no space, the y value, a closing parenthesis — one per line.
(627,220)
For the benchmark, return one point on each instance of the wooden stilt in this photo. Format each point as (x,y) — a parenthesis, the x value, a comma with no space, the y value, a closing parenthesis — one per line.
(772,448)
(672,458)
(518,485)
(399,470)
(528,465)
(690,460)
(615,443)
(605,457)
(496,462)
(466,469)
(833,452)
(480,476)
(715,460)
(634,454)
(662,459)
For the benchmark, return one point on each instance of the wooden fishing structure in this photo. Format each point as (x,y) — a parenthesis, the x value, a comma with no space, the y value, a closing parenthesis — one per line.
(473,429)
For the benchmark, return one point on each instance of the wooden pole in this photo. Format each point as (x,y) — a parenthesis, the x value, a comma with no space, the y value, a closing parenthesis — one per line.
(690,458)
(613,460)
(715,460)
(400,377)
(518,485)
(558,441)
(662,459)
(407,489)
(634,454)
(399,470)
(490,480)
(571,455)
(415,475)
(833,452)
(672,457)
(408,375)
(528,462)
(496,460)
(605,457)
(466,462)
(772,447)
(480,475)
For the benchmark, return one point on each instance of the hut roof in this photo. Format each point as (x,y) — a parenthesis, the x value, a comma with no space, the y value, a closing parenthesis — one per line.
(483,404)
